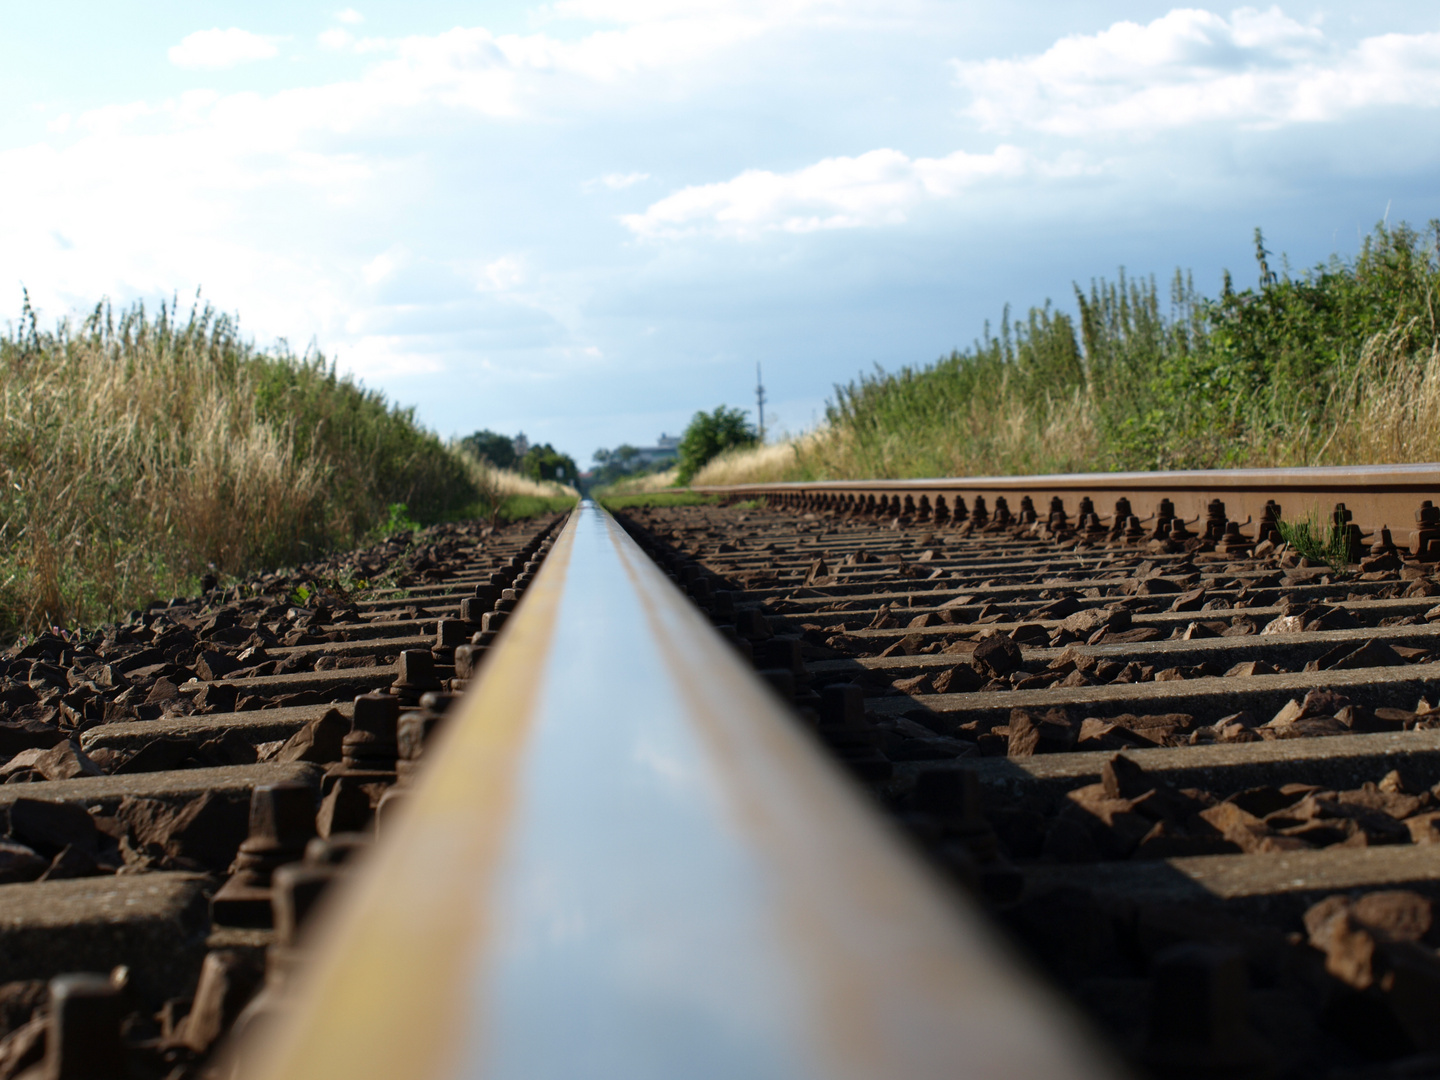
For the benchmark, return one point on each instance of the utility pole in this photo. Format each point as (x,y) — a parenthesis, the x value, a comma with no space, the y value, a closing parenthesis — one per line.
(760,401)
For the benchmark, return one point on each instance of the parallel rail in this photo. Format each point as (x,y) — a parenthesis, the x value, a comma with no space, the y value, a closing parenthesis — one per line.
(1376,495)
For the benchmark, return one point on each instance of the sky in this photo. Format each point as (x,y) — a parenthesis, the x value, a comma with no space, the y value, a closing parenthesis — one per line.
(587,219)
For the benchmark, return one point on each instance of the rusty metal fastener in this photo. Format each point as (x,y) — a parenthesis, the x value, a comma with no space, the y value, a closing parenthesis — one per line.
(467,660)
(415,674)
(1027,510)
(282,821)
(448,634)
(1197,1017)
(296,888)
(1384,543)
(473,609)
(371,743)
(1233,539)
(1215,518)
(844,726)
(951,798)
(1425,541)
(949,803)
(1057,519)
(780,652)
(1340,521)
(751,624)
(1270,524)
(1178,533)
(83,1035)
(722,605)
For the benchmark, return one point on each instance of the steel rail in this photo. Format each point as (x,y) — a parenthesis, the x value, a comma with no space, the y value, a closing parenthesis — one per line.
(1377,495)
(626,859)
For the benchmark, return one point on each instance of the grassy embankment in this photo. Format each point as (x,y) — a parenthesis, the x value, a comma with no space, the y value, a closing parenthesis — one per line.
(1338,365)
(139,453)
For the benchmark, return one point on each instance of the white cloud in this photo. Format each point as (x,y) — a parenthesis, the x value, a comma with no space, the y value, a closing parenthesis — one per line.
(221,49)
(1192,66)
(880,187)
(349,16)
(381,268)
(336,39)
(500,275)
(616,181)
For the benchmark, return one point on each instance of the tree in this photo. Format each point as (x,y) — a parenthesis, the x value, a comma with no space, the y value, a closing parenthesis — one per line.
(544,462)
(710,434)
(624,460)
(498,450)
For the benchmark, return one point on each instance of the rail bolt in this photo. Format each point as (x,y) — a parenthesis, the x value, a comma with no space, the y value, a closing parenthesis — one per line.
(1233,539)
(1197,1016)
(83,1036)
(415,673)
(371,743)
(296,888)
(282,821)
(1425,541)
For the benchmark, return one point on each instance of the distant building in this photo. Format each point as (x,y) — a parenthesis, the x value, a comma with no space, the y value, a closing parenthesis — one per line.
(522,446)
(666,448)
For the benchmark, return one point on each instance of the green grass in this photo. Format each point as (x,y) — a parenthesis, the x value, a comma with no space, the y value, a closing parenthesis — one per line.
(1317,540)
(656,498)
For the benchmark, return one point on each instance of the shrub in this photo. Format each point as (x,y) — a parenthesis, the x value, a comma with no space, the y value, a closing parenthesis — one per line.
(710,434)
(545,463)
(498,450)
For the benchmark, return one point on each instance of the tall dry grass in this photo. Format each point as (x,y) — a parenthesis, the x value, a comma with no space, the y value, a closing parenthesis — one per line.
(140,453)
(1389,413)
(128,470)
(644,484)
(495,484)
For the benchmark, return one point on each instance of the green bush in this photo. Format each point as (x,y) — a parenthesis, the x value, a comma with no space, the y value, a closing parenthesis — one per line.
(1264,375)
(710,434)
(498,450)
(544,462)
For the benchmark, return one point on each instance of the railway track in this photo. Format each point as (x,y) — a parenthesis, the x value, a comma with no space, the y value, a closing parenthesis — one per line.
(1125,786)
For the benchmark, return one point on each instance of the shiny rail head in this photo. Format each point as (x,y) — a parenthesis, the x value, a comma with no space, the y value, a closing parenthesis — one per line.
(628,860)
